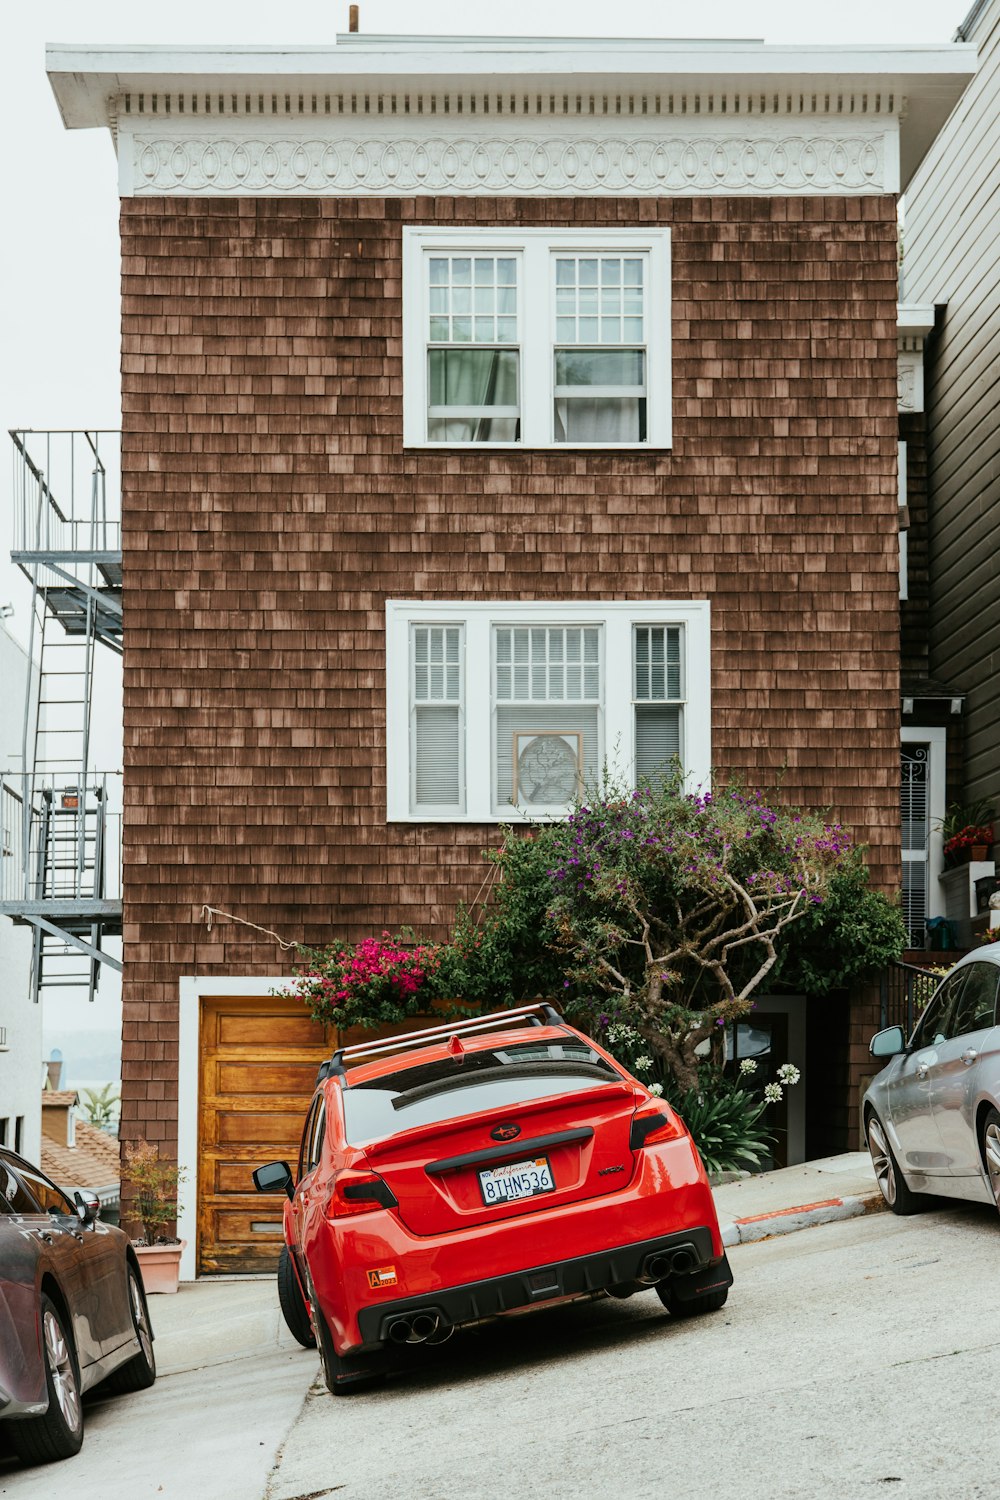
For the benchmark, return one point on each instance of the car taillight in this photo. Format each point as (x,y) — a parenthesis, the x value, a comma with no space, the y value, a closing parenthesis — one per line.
(652,1125)
(359,1193)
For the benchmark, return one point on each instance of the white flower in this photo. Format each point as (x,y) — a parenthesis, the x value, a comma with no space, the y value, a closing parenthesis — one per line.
(772,1093)
(644,1063)
(656,1088)
(789,1073)
(748,1066)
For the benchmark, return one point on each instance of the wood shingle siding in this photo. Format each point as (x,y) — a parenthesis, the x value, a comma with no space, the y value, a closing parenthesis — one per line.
(270,510)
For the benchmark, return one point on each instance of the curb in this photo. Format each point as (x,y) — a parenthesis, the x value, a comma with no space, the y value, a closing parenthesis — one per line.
(788,1220)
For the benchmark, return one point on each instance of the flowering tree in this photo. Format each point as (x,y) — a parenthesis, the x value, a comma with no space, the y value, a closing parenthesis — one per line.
(674,906)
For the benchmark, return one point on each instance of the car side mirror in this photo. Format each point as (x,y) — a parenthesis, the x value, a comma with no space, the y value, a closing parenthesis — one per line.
(276,1177)
(88,1207)
(888,1043)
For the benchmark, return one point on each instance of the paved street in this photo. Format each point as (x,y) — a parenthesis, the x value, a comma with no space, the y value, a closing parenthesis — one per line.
(854,1359)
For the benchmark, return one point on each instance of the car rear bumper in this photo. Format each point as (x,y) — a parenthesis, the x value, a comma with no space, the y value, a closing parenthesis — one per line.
(621,1267)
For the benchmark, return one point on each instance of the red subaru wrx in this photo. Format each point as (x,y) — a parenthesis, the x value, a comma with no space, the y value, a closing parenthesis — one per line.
(480,1168)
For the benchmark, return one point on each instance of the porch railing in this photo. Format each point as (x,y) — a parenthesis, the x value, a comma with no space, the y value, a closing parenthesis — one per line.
(905,990)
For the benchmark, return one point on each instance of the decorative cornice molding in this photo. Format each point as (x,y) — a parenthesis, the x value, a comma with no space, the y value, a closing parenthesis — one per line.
(392,158)
(207,105)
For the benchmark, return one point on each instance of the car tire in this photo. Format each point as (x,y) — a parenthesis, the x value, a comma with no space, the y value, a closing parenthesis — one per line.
(139,1373)
(293,1305)
(891,1182)
(59,1433)
(989,1145)
(692,1307)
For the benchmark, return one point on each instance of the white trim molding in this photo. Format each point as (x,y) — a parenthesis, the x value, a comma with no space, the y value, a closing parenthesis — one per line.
(191,991)
(469,114)
(392,157)
(914,321)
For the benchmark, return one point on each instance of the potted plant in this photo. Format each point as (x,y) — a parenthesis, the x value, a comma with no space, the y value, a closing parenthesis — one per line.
(154,1184)
(967,832)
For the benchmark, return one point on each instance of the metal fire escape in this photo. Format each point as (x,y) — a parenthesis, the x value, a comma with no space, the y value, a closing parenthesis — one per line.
(60,833)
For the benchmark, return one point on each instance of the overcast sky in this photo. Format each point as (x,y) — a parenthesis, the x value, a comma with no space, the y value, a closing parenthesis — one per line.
(59,307)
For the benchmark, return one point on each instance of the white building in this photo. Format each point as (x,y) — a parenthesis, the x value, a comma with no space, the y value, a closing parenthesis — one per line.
(20,1018)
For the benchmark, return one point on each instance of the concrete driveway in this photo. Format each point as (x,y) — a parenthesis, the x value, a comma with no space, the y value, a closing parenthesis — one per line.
(231,1382)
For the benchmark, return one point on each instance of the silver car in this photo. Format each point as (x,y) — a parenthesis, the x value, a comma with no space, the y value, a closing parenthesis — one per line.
(932,1116)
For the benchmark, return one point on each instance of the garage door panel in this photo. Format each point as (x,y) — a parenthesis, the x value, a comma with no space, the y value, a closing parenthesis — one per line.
(270,1033)
(296,1078)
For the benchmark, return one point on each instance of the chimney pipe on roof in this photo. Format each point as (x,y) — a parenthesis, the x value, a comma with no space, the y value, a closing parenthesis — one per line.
(352,22)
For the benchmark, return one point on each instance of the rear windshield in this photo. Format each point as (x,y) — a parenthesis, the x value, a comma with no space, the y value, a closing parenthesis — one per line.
(492,1079)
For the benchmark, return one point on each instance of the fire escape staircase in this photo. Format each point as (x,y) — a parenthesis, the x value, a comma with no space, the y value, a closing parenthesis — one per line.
(59,832)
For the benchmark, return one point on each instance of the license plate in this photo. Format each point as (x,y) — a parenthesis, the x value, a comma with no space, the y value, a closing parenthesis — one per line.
(519,1179)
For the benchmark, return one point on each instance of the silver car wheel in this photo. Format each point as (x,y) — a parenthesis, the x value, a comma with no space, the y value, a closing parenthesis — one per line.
(140,1320)
(885,1174)
(60,1362)
(991,1150)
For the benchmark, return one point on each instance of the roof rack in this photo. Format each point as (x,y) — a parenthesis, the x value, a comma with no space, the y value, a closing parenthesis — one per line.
(539,1014)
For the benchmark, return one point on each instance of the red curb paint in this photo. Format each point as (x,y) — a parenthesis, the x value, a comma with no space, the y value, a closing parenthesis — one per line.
(782,1213)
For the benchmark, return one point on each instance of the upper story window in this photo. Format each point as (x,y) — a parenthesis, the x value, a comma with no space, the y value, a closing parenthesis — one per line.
(536,338)
(497,709)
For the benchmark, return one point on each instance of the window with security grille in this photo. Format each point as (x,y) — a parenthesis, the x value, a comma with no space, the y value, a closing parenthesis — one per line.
(436,772)
(501,710)
(657,692)
(547,714)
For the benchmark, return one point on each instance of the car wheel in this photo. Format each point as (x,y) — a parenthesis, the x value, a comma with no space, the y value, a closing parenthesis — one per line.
(678,1307)
(293,1306)
(59,1433)
(989,1140)
(140,1371)
(891,1183)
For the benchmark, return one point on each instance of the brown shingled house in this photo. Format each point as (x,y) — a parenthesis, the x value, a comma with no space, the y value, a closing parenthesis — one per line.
(464,383)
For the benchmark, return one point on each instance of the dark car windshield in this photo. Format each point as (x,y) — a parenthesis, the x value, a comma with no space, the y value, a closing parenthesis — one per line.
(492,1079)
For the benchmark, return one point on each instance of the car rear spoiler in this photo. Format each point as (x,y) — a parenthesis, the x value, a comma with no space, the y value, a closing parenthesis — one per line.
(539,1014)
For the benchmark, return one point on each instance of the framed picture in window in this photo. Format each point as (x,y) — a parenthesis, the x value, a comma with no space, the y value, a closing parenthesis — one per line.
(546,766)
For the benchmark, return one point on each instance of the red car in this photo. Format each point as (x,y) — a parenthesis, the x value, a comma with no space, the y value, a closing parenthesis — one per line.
(481,1168)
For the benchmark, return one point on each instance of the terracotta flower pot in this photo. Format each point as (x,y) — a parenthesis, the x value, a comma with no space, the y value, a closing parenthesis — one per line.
(977,853)
(160,1266)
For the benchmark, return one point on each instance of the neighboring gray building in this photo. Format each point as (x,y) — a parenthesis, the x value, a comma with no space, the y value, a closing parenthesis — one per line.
(952,259)
(20,1018)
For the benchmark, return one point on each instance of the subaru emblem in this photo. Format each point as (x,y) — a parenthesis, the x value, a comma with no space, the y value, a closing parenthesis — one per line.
(505,1132)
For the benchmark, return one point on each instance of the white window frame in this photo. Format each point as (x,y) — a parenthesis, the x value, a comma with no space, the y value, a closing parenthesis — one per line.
(535,250)
(616,619)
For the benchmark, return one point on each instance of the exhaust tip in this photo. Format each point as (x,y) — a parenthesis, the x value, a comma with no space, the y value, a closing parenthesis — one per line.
(400,1331)
(423,1325)
(682,1261)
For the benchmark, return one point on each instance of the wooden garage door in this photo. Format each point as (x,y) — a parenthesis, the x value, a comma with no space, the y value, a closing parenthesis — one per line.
(259,1057)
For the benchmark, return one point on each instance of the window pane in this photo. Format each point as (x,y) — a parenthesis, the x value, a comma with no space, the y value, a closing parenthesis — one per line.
(600,419)
(465,297)
(599,300)
(656,662)
(583,367)
(473,430)
(657,741)
(553,750)
(436,751)
(539,654)
(473,377)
